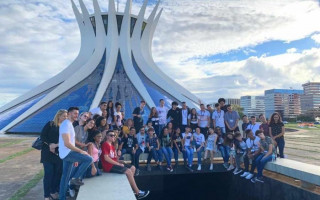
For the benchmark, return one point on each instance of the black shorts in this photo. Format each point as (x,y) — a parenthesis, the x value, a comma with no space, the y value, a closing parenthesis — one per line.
(119,170)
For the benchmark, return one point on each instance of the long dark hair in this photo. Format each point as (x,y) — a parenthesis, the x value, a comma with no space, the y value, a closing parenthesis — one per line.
(110,110)
(272,120)
(193,115)
(156,114)
(98,121)
(228,141)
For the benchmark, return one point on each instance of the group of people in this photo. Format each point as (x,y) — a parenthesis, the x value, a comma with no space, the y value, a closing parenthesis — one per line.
(81,146)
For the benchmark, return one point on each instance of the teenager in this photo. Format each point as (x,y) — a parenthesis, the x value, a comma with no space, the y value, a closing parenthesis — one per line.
(110,113)
(177,146)
(137,114)
(264,126)
(252,153)
(245,123)
(200,143)
(231,119)
(166,147)
(185,111)
(204,119)
(187,139)
(83,117)
(218,119)
(193,120)
(223,105)
(70,154)
(153,146)
(162,113)
(110,164)
(155,120)
(129,145)
(82,134)
(267,149)
(174,114)
(230,150)
(102,126)
(98,110)
(118,117)
(253,125)
(52,164)
(241,150)
(94,150)
(142,141)
(127,126)
(276,130)
(211,145)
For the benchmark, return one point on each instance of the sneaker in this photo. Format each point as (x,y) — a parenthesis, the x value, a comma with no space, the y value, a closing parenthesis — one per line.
(199,168)
(171,169)
(72,192)
(259,179)
(142,194)
(137,172)
(237,172)
(253,180)
(211,167)
(76,181)
(231,167)
(148,168)
(244,174)
(225,165)
(249,176)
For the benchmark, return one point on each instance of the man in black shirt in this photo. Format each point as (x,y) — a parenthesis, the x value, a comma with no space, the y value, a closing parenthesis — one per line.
(129,145)
(137,115)
(175,115)
(223,105)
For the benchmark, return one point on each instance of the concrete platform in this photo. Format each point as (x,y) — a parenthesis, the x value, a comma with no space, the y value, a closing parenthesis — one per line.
(107,186)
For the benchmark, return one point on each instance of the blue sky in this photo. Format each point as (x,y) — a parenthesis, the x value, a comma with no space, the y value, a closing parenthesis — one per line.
(213,48)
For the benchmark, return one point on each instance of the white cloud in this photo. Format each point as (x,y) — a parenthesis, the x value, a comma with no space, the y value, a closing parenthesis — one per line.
(292,50)
(316,38)
(39,39)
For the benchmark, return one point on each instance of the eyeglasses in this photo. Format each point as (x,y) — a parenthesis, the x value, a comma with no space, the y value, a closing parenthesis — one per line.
(112,135)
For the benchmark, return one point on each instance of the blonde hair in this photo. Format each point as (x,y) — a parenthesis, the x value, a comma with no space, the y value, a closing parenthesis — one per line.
(57,116)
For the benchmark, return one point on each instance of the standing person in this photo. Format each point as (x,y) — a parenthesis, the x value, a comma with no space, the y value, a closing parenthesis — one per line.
(223,105)
(245,123)
(52,164)
(118,117)
(241,150)
(210,110)
(94,150)
(177,146)
(204,119)
(70,154)
(142,141)
(82,134)
(193,120)
(231,119)
(110,113)
(129,145)
(218,119)
(267,148)
(110,164)
(200,141)
(154,118)
(185,111)
(162,113)
(82,119)
(252,153)
(166,147)
(175,115)
(138,115)
(153,146)
(276,130)
(211,145)
(98,110)
(187,146)
(253,125)
(264,126)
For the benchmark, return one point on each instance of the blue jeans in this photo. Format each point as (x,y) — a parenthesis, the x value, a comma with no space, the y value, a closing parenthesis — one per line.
(189,154)
(156,154)
(161,126)
(51,179)
(176,154)
(84,162)
(128,151)
(199,153)
(167,152)
(261,162)
(280,145)
(225,153)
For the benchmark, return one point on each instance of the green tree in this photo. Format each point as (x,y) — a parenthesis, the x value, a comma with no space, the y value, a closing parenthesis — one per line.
(238,109)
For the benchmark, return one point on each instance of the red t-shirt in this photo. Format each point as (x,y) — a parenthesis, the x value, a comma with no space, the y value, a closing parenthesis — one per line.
(109,150)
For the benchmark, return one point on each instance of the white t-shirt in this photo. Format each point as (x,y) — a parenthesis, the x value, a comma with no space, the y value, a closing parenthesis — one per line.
(203,118)
(253,128)
(184,116)
(187,138)
(254,145)
(218,117)
(95,111)
(162,113)
(118,116)
(199,138)
(66,127)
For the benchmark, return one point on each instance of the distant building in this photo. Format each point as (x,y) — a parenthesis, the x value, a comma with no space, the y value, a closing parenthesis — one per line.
(284,101)
(310,99)
(252,105)
(233,101)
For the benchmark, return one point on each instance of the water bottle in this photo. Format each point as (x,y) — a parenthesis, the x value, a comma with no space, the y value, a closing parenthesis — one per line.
(273,157)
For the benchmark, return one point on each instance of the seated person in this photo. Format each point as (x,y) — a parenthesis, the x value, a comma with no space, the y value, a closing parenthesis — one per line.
(187,139)
(94,150)
(129,145)
(166,147)
(110,164)
(241,149)
(200,141)
(142,140)
(153,147)
(267,148)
